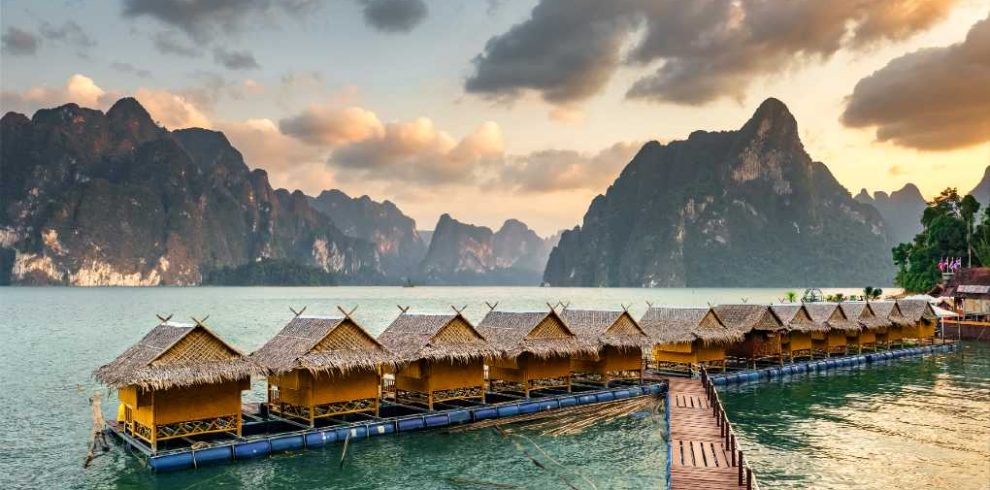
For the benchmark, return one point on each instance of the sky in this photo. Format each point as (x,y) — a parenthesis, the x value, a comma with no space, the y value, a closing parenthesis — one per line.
(519,109)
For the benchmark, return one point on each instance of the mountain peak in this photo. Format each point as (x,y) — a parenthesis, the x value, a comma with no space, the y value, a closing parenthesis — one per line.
(773,116)
(128,107)
(908,192)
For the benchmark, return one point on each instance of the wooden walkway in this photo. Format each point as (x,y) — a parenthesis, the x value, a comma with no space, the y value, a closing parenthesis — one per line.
(703,448)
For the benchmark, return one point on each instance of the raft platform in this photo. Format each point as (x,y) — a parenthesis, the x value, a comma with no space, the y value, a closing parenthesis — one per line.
(266,436)
(824,366)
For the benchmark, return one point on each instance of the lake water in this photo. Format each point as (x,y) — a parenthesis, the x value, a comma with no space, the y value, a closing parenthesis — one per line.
(918,423)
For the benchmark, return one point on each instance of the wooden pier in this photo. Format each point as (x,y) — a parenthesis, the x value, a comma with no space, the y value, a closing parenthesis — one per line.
(704,453)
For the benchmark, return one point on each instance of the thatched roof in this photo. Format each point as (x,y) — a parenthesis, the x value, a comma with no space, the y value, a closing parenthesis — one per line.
(606,328)
(916,310)
(795,317)
(414,336)
(322,344)
(872,319)
(890,311)
(666,325)
(173,355)
(541,333)
(745,318)
(839,320)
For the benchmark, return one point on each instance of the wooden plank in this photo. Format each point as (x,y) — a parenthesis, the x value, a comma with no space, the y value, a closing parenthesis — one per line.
(700,459)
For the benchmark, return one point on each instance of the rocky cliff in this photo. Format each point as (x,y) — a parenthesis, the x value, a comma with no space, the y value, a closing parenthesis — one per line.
(394,234)
(982,190)
(729,208)
(89,198)
(901,211)
(461,253)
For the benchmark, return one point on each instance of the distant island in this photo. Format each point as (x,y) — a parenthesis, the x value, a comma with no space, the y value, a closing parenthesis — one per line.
(92,198)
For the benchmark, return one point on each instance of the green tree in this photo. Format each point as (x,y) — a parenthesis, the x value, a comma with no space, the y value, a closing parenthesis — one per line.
(790,297)
(943,235)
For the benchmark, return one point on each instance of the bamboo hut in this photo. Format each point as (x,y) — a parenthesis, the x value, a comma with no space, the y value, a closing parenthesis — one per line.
(921,318)
(323,366)
(898,323)
(761,329)
(535,350)
(861,313)
(179,381)
(800,329)
(882,324)
(615,342)
(442,358)
(687,337)
(831,340)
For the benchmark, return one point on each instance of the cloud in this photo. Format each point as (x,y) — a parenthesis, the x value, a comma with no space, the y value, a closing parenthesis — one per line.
(69,33)
(567,51)
(203,20)
(18,42)
(931,99)
(264,145)
(333,126)
(394,16)
(565,170)
(166,42)
(78,89)
(416,151)
(124,67)
(235,60)
(172,110)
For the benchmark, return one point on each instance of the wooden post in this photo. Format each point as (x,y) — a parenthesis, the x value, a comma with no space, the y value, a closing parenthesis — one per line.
(742,463)
(749,479)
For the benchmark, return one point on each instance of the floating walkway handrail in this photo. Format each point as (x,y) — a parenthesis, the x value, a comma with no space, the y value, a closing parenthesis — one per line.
(728,434)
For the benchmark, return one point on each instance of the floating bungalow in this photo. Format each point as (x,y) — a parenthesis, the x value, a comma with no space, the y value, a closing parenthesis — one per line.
(321,367)
(535,350)
(615,342)
(687,337)
(800,330)
(921,318)
(882,323)
(761,329)
(177,382)
(442,358)
(861,313)
(832,339)
(898,323)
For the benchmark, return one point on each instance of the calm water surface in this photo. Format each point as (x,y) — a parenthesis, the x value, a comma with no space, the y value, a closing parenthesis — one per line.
(911,424)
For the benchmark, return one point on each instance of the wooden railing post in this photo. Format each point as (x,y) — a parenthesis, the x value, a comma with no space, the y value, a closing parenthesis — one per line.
(749,479)
(741,464)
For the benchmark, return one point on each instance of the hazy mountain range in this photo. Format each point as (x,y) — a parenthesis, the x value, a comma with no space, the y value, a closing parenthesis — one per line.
(93,198)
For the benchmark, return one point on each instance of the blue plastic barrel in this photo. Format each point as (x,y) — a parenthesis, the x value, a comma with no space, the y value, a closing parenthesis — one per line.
(483,413)
(255,449)
(171,462)
(438,420)
(413,423)
(320,439)
(567,401)
(605,396)
(286,443)
(212,455)
(508,410)
(459,416)
(529,407)
(586,399)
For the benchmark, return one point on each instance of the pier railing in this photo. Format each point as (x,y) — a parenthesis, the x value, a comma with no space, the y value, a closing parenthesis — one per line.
(728,434)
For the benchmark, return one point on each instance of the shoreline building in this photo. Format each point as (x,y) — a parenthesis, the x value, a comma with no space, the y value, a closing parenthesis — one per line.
(615,343)
(179,381)
(761,328)
(322,367)
(800,330)
(536,350)
(687,337)
(442,358)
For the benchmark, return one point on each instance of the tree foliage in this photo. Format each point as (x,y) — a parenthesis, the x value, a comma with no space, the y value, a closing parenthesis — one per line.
(949,230)
(269,272)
